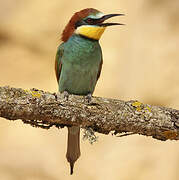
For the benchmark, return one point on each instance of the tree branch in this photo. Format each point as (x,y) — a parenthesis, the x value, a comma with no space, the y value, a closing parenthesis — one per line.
(44,109)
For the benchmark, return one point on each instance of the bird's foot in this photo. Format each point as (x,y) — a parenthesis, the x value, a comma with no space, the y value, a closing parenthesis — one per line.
(88,97)
(65,95)
(59,95)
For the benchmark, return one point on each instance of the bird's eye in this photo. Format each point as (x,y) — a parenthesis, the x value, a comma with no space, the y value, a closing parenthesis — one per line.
(89,21)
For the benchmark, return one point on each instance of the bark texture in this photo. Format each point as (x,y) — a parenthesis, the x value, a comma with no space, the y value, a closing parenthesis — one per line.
(44,109)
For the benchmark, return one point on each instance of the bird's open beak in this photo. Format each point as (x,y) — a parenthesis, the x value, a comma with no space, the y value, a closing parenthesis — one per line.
(105,17)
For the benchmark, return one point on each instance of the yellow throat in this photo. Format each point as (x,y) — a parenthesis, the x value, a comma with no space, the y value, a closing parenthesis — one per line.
(92,32)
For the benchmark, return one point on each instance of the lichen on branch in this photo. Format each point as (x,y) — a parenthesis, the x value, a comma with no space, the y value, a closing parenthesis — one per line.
(44,109)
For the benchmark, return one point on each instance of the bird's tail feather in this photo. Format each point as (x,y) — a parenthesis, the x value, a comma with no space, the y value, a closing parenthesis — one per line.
(73,146)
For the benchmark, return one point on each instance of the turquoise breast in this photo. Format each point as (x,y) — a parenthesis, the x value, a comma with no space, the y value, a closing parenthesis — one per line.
(80,64)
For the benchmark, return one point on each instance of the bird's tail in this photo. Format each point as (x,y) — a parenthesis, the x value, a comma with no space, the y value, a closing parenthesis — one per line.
(73,146)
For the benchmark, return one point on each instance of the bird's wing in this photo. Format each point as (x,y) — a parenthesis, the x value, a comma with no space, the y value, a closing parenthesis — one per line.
(100,68)
(58,61)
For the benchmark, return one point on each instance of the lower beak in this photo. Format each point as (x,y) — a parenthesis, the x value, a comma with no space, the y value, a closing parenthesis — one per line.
(105,17)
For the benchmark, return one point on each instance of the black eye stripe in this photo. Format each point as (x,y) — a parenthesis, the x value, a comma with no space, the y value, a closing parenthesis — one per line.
(87,21)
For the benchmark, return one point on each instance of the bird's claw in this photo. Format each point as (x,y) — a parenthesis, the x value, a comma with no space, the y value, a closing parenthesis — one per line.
(88,97)
(59,95)
(66,95)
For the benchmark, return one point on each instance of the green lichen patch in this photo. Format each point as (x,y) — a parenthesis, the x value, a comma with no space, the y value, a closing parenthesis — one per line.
(89,134)
(137,105)
(148,109)
(34,93)
(140,106)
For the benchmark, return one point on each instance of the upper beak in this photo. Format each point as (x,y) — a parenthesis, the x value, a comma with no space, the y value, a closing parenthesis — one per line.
(105,17)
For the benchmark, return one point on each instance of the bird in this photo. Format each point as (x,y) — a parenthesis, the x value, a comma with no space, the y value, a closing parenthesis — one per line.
(78,64)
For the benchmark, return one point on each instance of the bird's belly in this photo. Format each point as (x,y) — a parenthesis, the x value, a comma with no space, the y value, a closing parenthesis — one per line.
(77,79)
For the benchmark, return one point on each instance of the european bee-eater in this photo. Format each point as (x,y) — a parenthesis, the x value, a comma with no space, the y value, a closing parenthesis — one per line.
(78,63)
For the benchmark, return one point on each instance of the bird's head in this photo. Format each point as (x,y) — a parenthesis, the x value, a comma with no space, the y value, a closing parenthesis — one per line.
(88,23)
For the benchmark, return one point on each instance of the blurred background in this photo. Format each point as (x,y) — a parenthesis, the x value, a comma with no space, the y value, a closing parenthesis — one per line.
(141,61)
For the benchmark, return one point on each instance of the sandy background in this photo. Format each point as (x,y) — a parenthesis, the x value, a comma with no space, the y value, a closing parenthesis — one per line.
(140,62)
